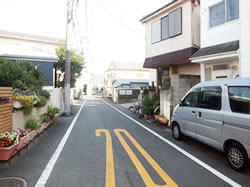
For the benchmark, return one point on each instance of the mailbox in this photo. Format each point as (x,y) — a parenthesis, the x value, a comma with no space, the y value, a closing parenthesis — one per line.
(4,100)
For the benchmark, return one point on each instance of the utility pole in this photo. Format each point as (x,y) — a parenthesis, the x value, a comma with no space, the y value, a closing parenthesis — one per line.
(67,60)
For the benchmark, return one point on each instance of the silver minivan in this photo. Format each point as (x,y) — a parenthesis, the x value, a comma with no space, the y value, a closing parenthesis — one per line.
(217,113)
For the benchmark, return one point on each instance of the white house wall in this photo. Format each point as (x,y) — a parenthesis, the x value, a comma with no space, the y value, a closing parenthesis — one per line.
(171,44)
(245,39)
(48,47)
(227,32)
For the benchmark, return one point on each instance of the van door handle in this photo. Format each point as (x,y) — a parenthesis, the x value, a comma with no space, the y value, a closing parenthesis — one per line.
(199,114)
(193,112)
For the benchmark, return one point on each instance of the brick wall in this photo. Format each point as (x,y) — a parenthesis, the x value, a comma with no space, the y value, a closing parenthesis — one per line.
(6,110)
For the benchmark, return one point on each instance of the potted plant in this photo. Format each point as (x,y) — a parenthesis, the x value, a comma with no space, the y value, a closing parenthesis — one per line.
(8,145)
(163,120)
(156,116)
(53,111)
(17,102)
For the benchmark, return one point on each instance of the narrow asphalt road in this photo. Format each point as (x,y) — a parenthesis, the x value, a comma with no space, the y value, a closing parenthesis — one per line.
(105,146)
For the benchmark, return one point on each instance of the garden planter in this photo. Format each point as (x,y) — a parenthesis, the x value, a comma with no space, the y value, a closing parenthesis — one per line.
(24,140)
(163,121)
(7,152)
(31,134)
(156,117)
(17,104)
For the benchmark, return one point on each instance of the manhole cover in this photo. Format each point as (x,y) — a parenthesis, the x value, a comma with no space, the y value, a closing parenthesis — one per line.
(13,182)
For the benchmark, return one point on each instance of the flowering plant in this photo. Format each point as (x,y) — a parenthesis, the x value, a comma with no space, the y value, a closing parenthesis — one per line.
(9,138)
(26,101)
(21,132)
(46,117)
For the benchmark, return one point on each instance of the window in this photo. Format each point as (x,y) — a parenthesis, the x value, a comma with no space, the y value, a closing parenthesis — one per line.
(168,26)
(211,98)
(232,9)
(164,28)
(122,92)
(156,31)
(175,23)
(225,11)
(239,99)
(191,99)
(129,92)
(217,14)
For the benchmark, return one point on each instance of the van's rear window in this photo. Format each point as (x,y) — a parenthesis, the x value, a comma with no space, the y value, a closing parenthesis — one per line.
(239,98)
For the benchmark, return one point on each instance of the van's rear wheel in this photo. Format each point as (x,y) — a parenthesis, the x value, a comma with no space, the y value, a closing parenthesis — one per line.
(237,156)
(176,131)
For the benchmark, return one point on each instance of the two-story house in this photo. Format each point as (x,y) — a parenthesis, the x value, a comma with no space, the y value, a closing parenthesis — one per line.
(219,55)
(172,37)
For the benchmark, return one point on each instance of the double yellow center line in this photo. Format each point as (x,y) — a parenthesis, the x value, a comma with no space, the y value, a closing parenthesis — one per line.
(110,172)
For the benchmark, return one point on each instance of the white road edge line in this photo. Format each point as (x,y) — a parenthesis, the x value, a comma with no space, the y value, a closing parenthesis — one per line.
(48,169)
(202,164)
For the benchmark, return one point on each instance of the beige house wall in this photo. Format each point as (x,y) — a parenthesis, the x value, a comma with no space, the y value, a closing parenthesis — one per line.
(189,69)
(176,43)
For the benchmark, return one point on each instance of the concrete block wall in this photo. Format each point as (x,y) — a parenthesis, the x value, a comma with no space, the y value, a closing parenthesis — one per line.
(180,84)
(56,99)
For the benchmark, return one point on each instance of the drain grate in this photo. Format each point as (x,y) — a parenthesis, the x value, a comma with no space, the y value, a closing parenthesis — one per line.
(13,182)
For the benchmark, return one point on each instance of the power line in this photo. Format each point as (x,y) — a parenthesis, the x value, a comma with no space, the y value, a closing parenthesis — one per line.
(127,27)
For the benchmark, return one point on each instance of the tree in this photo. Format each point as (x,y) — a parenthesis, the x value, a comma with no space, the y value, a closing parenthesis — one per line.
(77,64)
(22,75)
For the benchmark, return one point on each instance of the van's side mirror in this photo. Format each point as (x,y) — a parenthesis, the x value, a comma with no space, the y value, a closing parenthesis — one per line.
(180,103)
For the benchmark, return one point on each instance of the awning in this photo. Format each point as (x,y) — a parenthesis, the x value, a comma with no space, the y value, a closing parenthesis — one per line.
(216,49)
(168,59)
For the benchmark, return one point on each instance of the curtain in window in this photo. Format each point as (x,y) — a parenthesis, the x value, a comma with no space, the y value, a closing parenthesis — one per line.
(232,9)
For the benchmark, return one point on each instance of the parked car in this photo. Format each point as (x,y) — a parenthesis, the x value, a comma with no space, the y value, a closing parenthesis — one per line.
(217,113)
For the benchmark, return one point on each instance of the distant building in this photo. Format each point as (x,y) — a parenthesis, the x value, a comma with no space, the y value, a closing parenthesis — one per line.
(118,70)
(127,90)
(38,50)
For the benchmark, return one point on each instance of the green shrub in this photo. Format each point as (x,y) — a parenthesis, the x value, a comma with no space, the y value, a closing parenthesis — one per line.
(44,118)
(22,75)
(53,110)
(148,105)
(28,110)
(32,124)
(45,94)
(41,102)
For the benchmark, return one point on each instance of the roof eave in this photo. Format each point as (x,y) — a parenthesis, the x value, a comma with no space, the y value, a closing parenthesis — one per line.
(160,10)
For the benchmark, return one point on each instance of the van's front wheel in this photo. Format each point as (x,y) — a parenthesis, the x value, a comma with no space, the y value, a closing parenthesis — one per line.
(237,156)
(176,131)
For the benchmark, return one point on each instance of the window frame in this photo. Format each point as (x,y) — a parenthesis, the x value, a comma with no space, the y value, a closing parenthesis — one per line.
(225,21)
(160,19)
(180,23)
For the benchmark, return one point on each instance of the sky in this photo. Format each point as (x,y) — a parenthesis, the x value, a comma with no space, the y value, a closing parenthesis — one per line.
(114,30)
